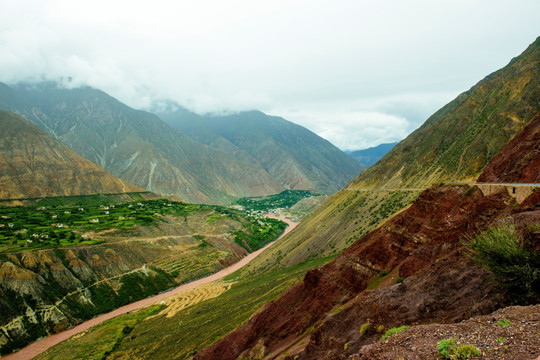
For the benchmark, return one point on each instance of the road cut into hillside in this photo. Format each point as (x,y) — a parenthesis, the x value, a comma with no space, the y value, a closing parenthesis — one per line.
(42,345)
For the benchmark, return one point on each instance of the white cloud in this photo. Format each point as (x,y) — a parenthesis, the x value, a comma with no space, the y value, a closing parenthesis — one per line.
(353,130)
(297,55)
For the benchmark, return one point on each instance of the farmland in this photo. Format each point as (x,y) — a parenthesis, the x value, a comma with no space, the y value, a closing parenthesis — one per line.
(66,221)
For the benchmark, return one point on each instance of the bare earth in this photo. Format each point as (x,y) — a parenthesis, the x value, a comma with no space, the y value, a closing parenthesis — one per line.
(40,346)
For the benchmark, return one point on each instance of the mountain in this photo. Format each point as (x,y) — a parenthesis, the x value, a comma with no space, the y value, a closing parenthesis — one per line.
(455,143)
(415,268)
(36,165)
(419,267)
(296,157)
(136,145)
(370,156)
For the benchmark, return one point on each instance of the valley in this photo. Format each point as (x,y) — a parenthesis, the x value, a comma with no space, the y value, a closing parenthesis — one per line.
(230,234)
(110,251)
(170,302)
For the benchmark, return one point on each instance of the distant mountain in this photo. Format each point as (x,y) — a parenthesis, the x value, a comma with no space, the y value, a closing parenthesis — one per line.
(136,145)
(370,156)
(36,165)
(296,157)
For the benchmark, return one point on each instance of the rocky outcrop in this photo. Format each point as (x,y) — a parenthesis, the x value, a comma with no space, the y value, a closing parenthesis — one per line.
(519,339)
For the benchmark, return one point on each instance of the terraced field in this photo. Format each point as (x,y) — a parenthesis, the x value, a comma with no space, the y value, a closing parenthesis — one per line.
(179,302)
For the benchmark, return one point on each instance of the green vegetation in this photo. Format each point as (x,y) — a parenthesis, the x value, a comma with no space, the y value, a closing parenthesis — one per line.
(373,283)
(193,328)
(515,266)
(448,349)
(258,233)
(393,331)
(503,322)
(63,221)
(284,199)
(168,262)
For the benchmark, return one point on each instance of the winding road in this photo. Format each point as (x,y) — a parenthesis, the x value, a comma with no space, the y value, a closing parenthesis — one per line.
(40,346)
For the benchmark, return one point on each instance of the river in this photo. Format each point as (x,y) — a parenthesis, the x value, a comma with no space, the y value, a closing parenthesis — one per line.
(40,346)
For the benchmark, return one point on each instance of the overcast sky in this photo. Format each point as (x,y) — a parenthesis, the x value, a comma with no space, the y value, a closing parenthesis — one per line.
(358,73)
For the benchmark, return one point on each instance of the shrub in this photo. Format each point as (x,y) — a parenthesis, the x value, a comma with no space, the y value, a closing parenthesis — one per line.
(448,349)
(503,322)
(392,331)
(466,351)
(515,267)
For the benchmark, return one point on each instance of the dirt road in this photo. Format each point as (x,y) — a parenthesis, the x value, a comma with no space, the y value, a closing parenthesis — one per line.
(40,346)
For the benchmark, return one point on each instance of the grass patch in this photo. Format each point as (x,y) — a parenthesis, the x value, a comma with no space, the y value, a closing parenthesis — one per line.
(373,283)
(393,331)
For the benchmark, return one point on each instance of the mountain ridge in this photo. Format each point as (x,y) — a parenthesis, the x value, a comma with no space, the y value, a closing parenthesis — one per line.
(139,147)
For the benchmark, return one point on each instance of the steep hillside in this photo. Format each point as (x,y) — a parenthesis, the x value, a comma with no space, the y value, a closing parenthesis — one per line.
(455,143)
(411,270)
(66,260)
(370,156)
(36,165)
(293,155)
(135,145)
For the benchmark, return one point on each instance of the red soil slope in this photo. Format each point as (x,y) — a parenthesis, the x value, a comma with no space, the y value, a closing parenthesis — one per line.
(423,244)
